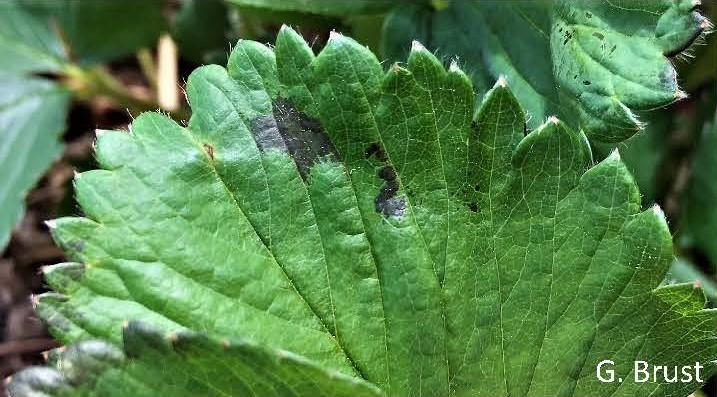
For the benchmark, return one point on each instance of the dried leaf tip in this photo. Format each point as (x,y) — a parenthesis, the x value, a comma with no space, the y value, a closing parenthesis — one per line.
(502,81)
(553,120)
(125,324)
(417,46)
(7,380)
(679,94)
(76,174)
(51,224)
(658,211)
(453,67)
(696,3)
(334,35)
(705,24)
(697,284)
(100,132)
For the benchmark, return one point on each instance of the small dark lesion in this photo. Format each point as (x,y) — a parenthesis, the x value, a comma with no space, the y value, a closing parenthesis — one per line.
(209,149)
(289,130)
(388,202)
(375,150)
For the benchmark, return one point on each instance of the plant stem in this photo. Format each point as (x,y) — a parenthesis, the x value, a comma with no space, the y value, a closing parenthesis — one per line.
(148,66)
(87,84)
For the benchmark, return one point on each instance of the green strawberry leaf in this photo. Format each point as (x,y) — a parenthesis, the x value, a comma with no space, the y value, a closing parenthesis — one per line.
(367,221)
(32,109)
(320,7)
(28,44)
(593,63)
(32,117)
(212,44)
(200,366)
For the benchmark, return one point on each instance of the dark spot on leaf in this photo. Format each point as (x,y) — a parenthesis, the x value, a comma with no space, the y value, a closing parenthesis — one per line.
(139,337)
(599,35)
(588,15)
(292,131)
(210,150)
(476,188)
(386,202)
(473,206)
(375,149)
(586,82)
(613,48)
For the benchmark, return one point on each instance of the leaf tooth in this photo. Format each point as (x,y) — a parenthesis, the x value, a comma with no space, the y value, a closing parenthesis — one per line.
(659,212)
(614,155)
(335,36)
(632,117)
(416,46)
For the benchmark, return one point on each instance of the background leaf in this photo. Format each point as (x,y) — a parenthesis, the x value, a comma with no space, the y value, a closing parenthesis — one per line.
(32,118)
(212,45)
(700,212)
(593,63)
(95,30)
(27,43)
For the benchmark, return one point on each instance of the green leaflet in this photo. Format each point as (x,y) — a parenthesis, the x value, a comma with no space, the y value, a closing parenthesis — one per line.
(199,366)
(32,116)
(27,43)
(97,31)
(593,63)
(367,221)
(33,109)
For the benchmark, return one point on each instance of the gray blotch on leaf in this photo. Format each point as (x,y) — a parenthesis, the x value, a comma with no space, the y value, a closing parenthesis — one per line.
(292,131)
(387,202)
